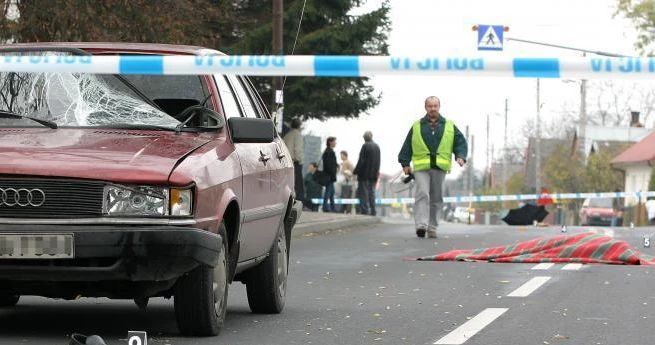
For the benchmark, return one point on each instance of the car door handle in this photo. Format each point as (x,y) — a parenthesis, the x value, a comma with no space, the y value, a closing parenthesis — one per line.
(280,154)
(264,157)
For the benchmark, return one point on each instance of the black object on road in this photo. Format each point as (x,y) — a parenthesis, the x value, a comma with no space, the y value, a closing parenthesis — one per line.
(526,215)
(79,339)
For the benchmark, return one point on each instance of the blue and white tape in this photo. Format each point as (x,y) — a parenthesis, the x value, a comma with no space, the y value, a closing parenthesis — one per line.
(491,198)
(340,65)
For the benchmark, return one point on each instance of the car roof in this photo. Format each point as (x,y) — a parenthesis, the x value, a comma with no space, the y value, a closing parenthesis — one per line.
(108,47)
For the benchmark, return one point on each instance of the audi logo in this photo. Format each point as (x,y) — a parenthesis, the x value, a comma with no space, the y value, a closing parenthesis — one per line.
(21,197)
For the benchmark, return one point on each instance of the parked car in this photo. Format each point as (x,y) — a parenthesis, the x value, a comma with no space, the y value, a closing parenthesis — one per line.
(597,211)
(140,186)
(464,215)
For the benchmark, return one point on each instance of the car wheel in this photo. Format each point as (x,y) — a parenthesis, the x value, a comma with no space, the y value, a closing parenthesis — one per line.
(9,300)
(267,282)
(201,296)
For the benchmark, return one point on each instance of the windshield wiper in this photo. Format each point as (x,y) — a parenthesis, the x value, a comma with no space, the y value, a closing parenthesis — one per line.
(137,92)
(135,126)
(10,115)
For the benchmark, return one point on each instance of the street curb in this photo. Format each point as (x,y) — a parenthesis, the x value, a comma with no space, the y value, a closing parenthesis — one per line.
(333,224)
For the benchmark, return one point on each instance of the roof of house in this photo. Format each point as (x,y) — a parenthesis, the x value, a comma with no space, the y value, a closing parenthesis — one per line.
(594,133)
(643,151)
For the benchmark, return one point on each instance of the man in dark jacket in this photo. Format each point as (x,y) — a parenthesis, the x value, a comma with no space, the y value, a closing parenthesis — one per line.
(330,167)
(313,190)
(430,146)
(367,171)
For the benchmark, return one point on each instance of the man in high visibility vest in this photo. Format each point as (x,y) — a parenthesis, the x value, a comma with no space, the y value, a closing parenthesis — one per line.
(429,147)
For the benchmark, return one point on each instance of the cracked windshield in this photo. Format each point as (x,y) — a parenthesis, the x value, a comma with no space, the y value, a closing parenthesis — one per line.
(322,172)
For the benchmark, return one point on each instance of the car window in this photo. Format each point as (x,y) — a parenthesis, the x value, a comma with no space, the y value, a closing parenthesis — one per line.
(601,203)
(230,105)
(244,98)
(257,100)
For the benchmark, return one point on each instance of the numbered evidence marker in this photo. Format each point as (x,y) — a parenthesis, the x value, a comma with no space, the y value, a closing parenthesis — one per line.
(646,241)
(137,338)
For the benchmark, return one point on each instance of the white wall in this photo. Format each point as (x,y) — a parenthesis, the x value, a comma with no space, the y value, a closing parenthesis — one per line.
(636,179)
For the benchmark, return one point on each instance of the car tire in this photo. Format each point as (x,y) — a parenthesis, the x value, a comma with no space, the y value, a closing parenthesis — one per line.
(201,296)
(266,285)
(9,300)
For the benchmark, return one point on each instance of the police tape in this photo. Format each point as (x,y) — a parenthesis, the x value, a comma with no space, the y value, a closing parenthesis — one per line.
(338,65)
(491,198)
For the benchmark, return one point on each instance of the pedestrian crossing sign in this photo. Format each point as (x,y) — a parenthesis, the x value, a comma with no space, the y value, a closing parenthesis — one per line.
(490,37)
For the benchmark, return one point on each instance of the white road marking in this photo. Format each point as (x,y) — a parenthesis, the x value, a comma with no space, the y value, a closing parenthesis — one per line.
(468,329)
(543,266)
(529,287)
(572,267)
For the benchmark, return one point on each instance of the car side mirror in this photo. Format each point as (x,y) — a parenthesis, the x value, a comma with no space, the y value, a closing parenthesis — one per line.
(251,130)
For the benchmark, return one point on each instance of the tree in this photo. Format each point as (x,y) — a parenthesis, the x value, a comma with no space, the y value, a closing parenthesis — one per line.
(327,28)
(642,13)
(162,21)
(651,183)
(563,172)
(599,175)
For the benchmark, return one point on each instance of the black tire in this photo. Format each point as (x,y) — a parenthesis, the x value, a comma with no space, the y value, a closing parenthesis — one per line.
(266,284)
(9,300)
(201,296)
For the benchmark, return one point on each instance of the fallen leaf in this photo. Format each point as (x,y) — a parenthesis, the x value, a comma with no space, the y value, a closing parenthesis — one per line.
(384,243)
(503,281)
(559,336)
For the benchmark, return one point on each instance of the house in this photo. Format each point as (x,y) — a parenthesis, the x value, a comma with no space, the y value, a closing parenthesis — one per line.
(601,135)
(637,163)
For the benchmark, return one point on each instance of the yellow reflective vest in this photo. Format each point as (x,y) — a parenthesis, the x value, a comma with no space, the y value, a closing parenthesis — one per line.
(421,153)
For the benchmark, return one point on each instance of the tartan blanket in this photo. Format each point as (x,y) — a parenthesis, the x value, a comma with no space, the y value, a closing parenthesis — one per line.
(587,248)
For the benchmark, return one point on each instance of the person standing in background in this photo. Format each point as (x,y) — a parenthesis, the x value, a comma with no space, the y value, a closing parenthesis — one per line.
(367,171)
(330,167)
(294,141)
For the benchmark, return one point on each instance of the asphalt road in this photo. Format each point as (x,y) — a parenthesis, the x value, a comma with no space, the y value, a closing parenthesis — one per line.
(353,287)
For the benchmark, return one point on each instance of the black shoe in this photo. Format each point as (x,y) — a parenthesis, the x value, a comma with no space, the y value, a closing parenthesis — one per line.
(420,233)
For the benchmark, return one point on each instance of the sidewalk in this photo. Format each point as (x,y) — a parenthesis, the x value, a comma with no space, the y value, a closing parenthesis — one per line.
(318,222)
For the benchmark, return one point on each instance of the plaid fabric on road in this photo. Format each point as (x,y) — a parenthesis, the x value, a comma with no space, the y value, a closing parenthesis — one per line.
(586,248)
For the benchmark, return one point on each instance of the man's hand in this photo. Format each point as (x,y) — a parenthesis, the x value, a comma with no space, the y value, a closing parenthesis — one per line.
(407,170)
(460,161)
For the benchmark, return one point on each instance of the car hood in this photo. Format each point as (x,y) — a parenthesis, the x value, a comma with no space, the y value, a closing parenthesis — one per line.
(102,154)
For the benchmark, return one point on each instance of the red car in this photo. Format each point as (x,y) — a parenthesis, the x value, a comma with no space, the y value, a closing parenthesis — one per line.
(139,186)
(598,211)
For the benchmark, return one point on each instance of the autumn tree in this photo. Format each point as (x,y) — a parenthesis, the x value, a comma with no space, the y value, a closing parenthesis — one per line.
(642,14)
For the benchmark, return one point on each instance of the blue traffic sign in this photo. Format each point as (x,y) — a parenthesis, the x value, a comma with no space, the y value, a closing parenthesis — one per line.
(490,37)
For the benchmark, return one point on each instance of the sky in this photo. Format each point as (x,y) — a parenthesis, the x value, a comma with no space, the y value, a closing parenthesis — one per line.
(444,27)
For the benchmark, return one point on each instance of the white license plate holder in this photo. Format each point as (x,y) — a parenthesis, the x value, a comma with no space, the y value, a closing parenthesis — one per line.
(37,246)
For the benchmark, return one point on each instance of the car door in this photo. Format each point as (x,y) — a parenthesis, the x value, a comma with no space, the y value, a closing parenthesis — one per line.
(261,210)
(282,174)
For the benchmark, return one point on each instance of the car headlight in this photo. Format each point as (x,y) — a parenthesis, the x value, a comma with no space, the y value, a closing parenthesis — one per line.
(135,201)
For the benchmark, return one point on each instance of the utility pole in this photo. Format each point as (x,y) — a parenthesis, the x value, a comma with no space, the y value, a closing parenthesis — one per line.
(470,167)
(465,178)
(487,166)
(538,145)
(278,49)
(505,163)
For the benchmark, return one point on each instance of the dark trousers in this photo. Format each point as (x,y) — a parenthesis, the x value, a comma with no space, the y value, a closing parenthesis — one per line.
(366,196)
(299,185)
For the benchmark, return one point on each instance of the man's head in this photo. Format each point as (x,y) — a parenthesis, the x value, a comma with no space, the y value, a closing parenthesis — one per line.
(331,142)
(368,136)
(295,123)
(313,167)
(432,106)
(344,155)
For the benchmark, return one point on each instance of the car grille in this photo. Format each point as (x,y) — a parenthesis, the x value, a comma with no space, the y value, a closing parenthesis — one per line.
(63,198)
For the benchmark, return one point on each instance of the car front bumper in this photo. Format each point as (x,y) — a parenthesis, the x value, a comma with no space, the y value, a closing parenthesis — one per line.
(115,252)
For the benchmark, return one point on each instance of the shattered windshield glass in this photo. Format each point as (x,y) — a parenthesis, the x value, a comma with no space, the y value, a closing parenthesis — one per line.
(74,100)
